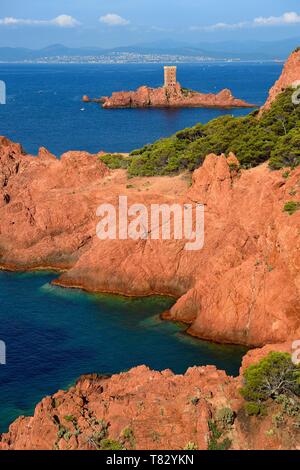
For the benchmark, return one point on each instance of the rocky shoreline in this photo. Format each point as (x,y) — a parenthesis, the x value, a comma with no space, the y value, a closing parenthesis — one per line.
(149,410)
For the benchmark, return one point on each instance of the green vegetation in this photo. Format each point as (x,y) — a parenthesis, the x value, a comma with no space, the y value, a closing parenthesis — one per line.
(186,91)
(70,418)
(274,379)
(223,445)
(275,136)
(128,437)
(255,409)
(62,430)
(225,417)
(114,161)
(291,207)
(215,443)
(110,444)
(191,446)
(287,150)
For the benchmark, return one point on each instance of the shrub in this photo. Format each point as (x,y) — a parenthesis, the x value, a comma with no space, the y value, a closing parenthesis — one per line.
(287,151)
(223,445)
(191,446)
(278,419)
(216,434)
(214,442)
(70,418)
(110,444)
(114,161)
(226,417)
(291,207)
(62,430)
(128,436)
(290,406)
(254,409)
(273,376)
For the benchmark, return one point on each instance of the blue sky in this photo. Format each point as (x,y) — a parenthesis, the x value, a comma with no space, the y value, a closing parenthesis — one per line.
(108,23)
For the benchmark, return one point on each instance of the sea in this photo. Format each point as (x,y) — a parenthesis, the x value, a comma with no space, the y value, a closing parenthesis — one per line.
(54,335)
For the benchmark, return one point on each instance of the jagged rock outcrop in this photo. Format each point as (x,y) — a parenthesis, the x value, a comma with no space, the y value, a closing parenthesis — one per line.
(47,219)
(143,409)
(289,77)
(145,97)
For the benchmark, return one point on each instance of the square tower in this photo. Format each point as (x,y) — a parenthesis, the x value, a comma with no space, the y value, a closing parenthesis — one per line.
(170,76)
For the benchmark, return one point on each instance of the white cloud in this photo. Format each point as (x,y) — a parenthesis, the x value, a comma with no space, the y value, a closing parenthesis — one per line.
(112,19)
(288,18)
(63,21)
(220,26)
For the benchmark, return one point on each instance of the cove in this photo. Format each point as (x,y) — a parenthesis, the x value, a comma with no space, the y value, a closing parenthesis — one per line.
(54,335)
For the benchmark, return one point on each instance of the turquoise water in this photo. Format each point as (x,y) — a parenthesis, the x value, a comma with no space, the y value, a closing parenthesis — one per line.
(54,335)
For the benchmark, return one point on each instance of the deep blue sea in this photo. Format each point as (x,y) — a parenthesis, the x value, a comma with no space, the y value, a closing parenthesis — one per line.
(54,335)
(44,103)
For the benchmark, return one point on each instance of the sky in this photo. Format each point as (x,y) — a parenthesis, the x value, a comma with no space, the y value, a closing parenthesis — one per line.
(110,23)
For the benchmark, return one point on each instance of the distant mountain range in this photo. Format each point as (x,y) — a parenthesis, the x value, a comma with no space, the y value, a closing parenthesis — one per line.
(243,50)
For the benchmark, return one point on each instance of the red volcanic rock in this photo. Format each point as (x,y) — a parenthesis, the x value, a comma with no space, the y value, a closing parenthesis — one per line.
(289,77)
(44,205)
(255,355)
(242,287)
(161,410)
(145,97)
(156,406)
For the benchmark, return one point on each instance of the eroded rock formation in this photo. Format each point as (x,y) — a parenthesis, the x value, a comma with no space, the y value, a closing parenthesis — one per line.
(175,97)
(143,409)
(289,77)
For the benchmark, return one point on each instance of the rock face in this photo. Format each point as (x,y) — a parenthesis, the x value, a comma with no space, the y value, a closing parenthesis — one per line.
(47,217)
(244,285)
(143,409)
(289,77)
(145,97)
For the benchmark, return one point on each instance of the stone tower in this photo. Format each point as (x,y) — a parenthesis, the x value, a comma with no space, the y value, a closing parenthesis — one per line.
(170,76)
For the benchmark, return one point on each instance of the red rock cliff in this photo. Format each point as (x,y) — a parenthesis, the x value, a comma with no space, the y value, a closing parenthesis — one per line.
(289,77)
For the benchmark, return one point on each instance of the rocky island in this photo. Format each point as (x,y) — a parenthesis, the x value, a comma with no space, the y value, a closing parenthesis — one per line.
(171,95)
(243,287)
